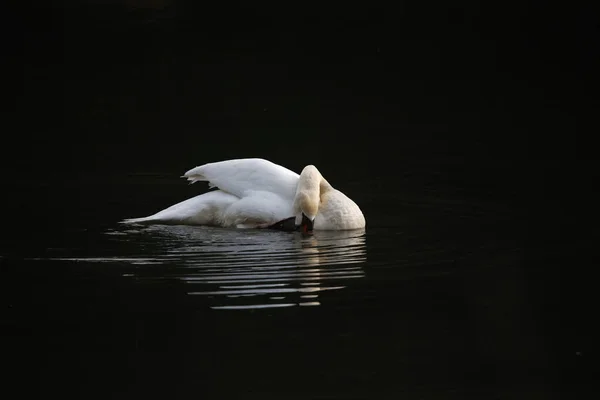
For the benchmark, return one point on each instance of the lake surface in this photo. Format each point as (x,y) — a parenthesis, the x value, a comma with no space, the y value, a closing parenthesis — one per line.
(439,297)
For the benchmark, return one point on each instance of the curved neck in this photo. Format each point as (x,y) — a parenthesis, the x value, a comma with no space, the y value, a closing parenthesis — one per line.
(311,186)
(324,186)
(312,180)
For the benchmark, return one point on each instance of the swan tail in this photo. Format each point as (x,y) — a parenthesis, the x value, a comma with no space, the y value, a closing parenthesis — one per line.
(204,209)
(142,220)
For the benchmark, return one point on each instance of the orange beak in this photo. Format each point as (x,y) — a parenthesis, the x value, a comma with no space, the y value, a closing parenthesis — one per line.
(306,225)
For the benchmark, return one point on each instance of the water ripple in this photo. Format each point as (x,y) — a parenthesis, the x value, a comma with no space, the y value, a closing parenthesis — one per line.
(235,269)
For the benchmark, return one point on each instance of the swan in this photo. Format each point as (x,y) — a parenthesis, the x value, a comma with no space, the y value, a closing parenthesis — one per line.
(257,193)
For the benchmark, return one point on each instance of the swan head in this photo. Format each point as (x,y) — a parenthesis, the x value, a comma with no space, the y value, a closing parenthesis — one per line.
(307,224)
(311,185)
(306,206)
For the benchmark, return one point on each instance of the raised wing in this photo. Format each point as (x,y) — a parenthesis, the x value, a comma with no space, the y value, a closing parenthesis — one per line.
(241,176)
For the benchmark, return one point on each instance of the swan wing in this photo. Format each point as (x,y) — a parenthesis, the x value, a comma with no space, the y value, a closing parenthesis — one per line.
(259,209)
(242,176)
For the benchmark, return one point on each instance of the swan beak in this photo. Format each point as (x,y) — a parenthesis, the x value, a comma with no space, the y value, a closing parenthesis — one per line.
(307,224)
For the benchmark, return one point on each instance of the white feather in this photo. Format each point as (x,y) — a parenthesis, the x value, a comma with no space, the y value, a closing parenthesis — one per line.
(205,209)
(249,174)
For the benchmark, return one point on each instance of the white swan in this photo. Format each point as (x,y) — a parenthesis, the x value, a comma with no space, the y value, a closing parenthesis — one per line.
(256,193)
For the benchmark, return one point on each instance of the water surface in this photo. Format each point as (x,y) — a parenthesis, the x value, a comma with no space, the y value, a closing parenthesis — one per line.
(438,297)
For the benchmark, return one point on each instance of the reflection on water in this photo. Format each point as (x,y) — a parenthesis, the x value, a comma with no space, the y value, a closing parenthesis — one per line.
(241,269)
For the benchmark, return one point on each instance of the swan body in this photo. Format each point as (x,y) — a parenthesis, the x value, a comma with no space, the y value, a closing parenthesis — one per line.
(256,193)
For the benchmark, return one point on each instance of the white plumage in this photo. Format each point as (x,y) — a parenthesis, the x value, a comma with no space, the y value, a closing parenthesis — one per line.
(256,193)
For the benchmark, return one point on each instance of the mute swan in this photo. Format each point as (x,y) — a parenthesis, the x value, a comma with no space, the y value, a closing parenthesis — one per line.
(256,193)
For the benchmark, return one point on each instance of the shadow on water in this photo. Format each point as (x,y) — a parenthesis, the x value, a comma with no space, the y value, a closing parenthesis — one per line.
(233,269)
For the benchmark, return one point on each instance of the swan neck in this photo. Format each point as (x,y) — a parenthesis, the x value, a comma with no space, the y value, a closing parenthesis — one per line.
(324,186)
(312,180)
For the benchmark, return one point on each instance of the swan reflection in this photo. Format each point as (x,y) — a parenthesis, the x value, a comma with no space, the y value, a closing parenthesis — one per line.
(233,269)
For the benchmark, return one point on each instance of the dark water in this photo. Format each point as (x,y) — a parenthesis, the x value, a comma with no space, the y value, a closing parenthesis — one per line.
(440,297)
(466,162)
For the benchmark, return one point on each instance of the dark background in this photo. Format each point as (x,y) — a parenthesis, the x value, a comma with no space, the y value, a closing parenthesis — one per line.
(497,101)
(475,83)
(500,94)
